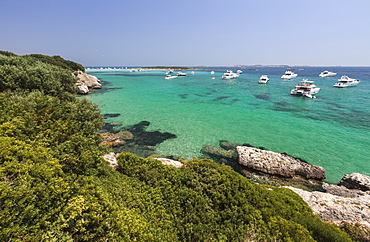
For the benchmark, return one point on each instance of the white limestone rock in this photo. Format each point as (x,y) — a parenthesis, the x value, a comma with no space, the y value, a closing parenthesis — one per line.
(277,163)
(111,158)
(337,209)
(169,162)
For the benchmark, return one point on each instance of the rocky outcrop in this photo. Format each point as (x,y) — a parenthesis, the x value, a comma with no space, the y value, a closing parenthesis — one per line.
(85,81)
(112,140)
(336,209)
(82,89)
(355,181)
(111,158)
(339,203)
(278,163)
(170,162)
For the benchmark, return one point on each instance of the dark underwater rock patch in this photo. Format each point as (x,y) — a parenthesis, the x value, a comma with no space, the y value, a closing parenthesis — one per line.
(184,96)
(140,142)
(283,104)
(223,97)
(111,115)
(263,96)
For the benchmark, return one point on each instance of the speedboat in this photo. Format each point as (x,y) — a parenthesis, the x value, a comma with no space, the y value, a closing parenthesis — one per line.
(289,75)
(181,73)
(263,79)
(305,89)
(212,72)
(327,74)
(230,75)
(170,77)
(239,71)
(346,81)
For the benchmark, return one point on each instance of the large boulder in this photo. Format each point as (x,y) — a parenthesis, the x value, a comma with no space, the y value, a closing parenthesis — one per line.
(170,162)
(278,163)
(355,181)
(84,80)
(111,140)
(82,89)
(111,158)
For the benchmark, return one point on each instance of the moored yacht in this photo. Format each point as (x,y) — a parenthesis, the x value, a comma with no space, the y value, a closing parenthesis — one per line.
(230,75)
(327,74)
(181,73)
(305,89)
(263,79)
(169,77)
(289,75)
(346,81)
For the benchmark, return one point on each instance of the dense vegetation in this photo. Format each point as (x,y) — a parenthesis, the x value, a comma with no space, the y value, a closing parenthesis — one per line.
(56,187)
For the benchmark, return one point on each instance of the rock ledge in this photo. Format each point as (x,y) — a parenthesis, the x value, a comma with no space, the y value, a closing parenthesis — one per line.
(277,163)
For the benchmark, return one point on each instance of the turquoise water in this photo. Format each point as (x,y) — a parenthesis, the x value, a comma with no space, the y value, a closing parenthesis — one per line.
(332,131)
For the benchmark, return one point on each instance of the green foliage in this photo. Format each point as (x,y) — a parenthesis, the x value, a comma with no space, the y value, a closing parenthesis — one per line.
(70,127)
(54,185)
(211,202)
(7,53)
(17,73)
(57,61)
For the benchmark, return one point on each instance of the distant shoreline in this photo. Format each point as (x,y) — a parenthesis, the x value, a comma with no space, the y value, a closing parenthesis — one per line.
(208,67)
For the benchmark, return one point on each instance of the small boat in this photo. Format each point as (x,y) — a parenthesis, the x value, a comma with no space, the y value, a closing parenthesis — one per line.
(263,79)
(230,75)
(346,81)
(289,75)
(181,73)
(170,77)
(327,74)
(239,72)
(192,72)
(305,89)
(212,72)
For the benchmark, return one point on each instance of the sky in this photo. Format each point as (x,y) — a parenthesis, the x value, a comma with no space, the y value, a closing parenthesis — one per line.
(190,32)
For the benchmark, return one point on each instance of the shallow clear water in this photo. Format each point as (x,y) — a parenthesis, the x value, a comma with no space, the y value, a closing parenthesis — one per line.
(332,130)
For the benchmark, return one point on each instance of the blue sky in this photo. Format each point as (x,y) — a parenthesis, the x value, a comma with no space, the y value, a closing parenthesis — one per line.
(190,32)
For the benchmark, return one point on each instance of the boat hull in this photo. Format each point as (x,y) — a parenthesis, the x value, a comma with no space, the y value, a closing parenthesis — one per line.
(343,85)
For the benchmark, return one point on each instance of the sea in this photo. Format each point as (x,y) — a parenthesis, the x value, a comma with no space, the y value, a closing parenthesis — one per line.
(331,130)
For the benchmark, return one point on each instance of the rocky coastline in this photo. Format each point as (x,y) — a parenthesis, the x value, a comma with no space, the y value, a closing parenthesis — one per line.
(86,82)
(345,203)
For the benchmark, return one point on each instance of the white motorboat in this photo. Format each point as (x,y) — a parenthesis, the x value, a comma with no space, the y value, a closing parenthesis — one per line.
(170,77)
(327,74)
(263,79)
(239,71)
(305,89)
(346,81)
(289,75)
(212,72)
(230,75)
(181,73)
